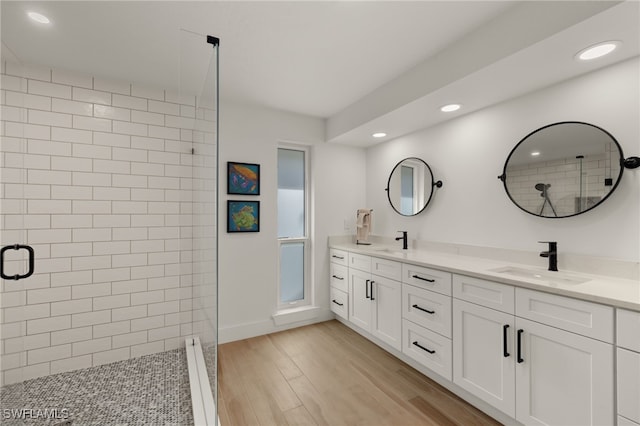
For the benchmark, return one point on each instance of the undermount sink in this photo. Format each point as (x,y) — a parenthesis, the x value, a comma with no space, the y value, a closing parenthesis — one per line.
(390,250)
(536,274)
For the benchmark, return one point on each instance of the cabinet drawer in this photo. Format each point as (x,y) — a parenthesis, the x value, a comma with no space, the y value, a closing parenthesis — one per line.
(427,309)
(428,348)
(360,262)
(629,384)
(386,268)
(578,316)
(628,330)
(427,278)
(339,277)
(339,302)
(338,256)
(485,293)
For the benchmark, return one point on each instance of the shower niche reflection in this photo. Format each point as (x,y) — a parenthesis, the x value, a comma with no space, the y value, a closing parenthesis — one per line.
(563,169)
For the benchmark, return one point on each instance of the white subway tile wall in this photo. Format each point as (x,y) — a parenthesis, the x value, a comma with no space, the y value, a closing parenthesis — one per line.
(570,192)
(100,178)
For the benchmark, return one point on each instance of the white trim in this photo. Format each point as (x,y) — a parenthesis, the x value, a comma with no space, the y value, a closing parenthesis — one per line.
(305,239)
(259,328)
(289,316)
(202,402)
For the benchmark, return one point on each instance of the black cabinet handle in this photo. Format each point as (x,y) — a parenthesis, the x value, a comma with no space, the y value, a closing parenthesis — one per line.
(31,262)
(520,360)
(337,303)
(504,340)
(337,277)
(423,348)
(423,309)
(372,282)
(418,277)
(366,289)
(338,257)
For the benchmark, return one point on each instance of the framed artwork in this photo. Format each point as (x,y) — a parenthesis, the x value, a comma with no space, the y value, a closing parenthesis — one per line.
(243,178)
(243,216)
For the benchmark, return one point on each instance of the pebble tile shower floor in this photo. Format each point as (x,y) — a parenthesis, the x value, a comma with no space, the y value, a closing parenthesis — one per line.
(149,390)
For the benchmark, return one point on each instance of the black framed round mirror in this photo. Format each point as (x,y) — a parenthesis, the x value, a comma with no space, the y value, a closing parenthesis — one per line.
(563,169)
(410,186)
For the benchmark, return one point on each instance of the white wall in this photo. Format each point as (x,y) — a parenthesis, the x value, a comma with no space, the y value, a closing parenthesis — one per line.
(468,154)
(248,262)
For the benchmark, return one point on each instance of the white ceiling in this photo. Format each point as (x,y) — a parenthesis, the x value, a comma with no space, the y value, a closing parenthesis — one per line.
(361,65)
(314,58)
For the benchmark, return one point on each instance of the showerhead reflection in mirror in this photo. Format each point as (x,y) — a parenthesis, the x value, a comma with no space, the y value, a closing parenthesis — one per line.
(572,166)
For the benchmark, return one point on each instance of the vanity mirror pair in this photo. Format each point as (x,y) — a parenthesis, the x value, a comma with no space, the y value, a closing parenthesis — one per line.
(559,170)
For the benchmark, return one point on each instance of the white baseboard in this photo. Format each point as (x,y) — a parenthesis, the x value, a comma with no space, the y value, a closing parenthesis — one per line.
(232,333)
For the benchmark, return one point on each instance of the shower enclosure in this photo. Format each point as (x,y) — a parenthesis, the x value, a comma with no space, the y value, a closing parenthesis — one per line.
(108,203)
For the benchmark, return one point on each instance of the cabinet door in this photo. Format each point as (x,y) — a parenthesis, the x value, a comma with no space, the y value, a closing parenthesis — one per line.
(563,378)
(386,321)
(629,384)
(484,354)
(359,299)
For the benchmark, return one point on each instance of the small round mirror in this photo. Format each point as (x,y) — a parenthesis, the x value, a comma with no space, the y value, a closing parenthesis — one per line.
(563,169)
(410,186)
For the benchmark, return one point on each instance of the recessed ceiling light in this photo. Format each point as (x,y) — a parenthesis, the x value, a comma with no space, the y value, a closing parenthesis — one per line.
(535,153)
(597,50)
(450,108)
(38,17)
(379,135)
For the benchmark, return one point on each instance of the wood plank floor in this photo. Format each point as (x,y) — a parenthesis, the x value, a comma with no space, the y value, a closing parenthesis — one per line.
(327,374)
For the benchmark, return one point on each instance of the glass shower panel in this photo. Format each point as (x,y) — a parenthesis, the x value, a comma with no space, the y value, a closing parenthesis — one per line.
(199,78)
(13,230)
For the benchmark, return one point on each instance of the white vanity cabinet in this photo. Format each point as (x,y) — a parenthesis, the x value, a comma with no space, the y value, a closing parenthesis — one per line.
(338,282)
(483,341)
(539,358)
(510,351)
(426,317)
(628,361)
(562,378)
(374,297)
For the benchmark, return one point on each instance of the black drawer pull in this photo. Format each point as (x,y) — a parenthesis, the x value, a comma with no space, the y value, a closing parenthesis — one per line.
(337,277)
(423,309)
(372,283)
(423,348)
(337,303)
(504,340)
(520,359)
(31,262)
(338,257)
(418,277)
(366,289)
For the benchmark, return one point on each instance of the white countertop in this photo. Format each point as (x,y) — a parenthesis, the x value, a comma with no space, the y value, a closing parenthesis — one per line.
(617,292)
